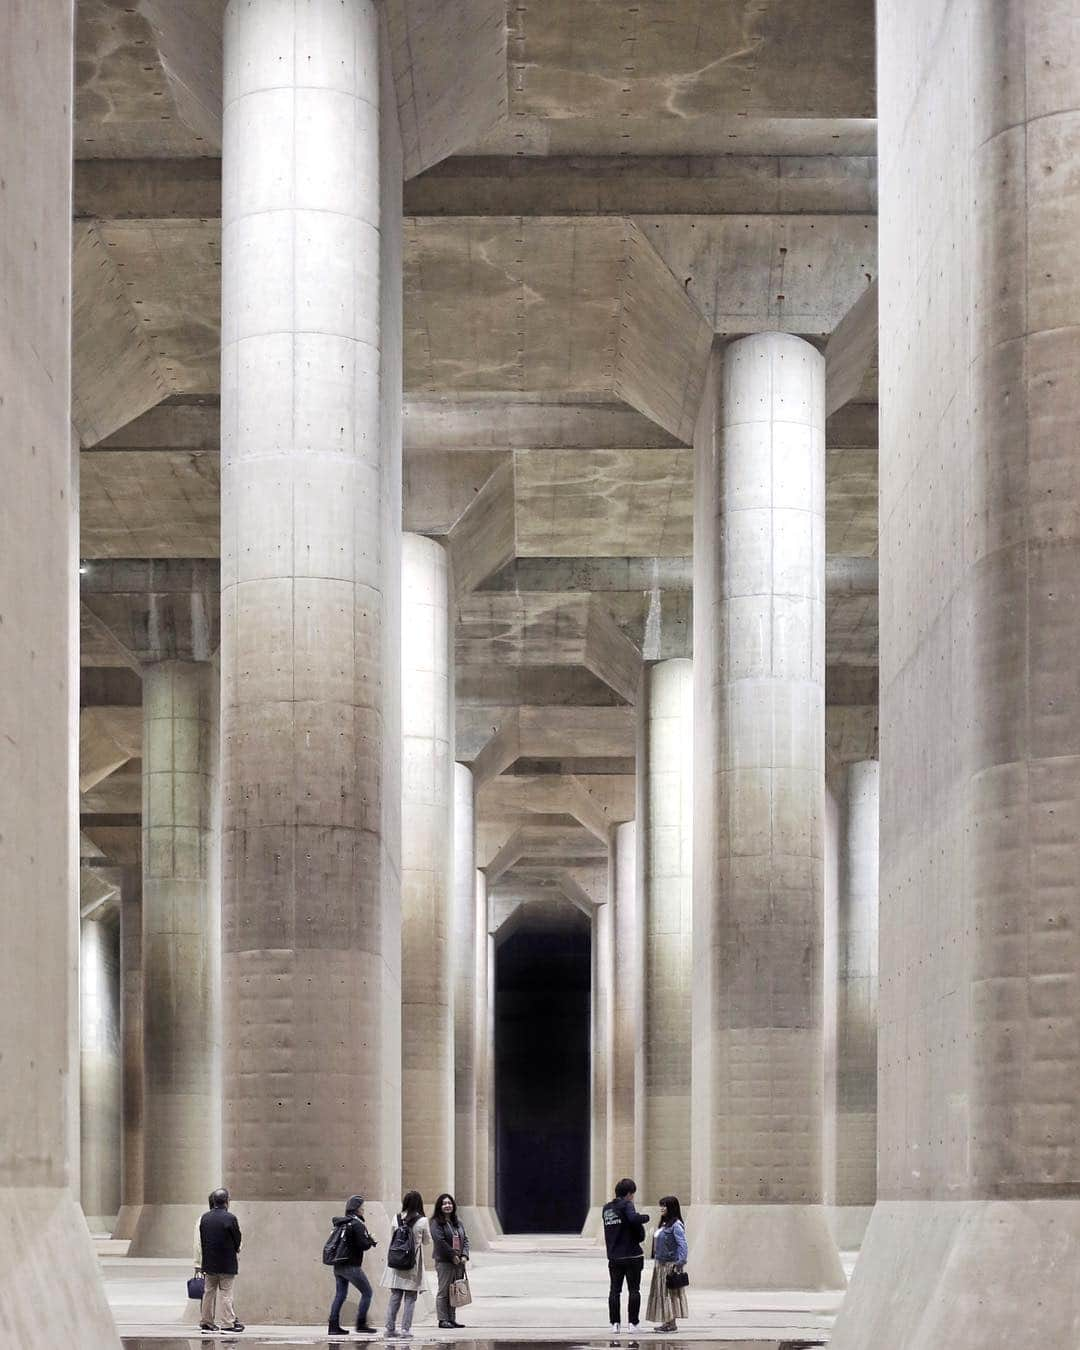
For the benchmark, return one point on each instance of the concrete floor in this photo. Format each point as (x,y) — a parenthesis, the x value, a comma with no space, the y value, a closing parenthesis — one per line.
(535,1289)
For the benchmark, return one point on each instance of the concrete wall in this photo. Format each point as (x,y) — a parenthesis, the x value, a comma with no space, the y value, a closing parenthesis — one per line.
(41,1299)
(100,1061)
(979,1063)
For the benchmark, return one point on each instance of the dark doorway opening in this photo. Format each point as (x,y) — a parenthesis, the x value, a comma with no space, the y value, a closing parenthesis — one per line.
(542,1067)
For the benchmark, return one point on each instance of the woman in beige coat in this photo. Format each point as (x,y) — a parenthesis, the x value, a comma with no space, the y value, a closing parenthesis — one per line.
(404,1285)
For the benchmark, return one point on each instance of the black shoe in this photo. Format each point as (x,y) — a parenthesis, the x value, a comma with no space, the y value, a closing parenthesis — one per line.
(236,1326)
(457,1326)
(446,1326)
(364,1329)
(335,1329)
(207,1326)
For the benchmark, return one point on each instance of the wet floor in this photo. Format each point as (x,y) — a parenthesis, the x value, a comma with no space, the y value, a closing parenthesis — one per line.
(600,1343)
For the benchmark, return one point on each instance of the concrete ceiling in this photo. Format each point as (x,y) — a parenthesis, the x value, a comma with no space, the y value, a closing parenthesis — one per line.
(595,191)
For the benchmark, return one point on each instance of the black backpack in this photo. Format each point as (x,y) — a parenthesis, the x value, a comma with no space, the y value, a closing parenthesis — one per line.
(401,1254)
(336,1247)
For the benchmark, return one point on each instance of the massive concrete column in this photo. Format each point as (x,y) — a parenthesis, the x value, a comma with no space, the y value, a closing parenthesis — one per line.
(601,1018)
(485,1061)
(181,927)
(131,1050)
(851,1032)
(310,656)
(41,1297)
(759,630)
(665,843)
(979,1058)
(464,990)
(625,1004)
(427,869)
(101,1091)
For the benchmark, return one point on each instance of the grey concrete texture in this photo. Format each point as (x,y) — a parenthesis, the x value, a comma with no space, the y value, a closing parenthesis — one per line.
(310,631)
(626,1022)
(980,561)
(464,988)
(757,1088)
(40,1300)
(665,839)
(100,1069)
(181,926)
(428,869)
(132,1002)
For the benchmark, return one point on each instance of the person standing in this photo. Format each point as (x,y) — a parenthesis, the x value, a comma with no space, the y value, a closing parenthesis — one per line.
(217,1242)
(450,1244)
(624,1232)
(669,1256)
(404,1273)
(355,1241)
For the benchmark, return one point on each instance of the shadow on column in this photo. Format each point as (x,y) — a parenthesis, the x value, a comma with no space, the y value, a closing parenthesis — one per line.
(542,1065)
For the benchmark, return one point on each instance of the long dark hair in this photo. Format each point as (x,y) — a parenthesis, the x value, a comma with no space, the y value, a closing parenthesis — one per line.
(412,1207)
(437,1213)
(672,1212)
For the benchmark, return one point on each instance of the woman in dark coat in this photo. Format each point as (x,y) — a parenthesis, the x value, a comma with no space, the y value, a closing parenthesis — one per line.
(450,1244)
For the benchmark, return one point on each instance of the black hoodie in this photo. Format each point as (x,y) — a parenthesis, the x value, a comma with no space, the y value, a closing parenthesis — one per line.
(357,1238)
(624,1230)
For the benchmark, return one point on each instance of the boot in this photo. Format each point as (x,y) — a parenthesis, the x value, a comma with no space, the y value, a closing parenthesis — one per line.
(335,1329)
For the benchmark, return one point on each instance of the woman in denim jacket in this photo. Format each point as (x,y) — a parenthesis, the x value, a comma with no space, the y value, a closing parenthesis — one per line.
(669,1254)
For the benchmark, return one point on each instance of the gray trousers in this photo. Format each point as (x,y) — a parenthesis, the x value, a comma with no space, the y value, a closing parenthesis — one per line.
(405,1299)
(217,1300)
(447,1273)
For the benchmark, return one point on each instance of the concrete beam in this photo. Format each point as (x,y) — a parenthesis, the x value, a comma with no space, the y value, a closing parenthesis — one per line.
(540,629)
(143,189)
(108,738)
(631,335)
(189,47)
(449,66)
(115,372)
(149,504)
(551,734)
(484,538)
(851,354)
(158,610)
(659,185)
(99,645)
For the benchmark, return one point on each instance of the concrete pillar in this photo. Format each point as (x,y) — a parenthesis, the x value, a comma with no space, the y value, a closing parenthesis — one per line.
(601,1018)
(851,1180)
(464,953)
(49,1277)
(131,1052)
(485,1062)
(979,1058)
(427,870)
(181,935)
(310,652)
(665,844)
(759,630)
(625,1008)
(100,1083)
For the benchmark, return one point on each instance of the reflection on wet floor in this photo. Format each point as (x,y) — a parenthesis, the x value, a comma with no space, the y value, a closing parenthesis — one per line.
(600,1343)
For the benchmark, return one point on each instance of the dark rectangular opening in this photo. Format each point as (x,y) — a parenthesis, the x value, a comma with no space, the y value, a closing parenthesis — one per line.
(543,991)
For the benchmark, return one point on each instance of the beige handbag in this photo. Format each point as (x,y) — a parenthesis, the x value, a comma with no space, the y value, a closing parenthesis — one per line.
(460,1293)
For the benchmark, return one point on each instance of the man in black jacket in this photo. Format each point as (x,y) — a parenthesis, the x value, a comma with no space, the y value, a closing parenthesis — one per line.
(357,1240)
(624,1232)
(217,1241)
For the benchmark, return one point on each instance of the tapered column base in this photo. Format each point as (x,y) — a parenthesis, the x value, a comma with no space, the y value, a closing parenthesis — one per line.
(166,1230)
(476,1226)
(51,1291)
(965,1273)
(126,1222)
(763,1247)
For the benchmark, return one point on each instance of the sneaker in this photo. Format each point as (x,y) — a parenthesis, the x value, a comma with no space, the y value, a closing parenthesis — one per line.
(236,1326)
(365,1330)
(615,1329)
(207,1326)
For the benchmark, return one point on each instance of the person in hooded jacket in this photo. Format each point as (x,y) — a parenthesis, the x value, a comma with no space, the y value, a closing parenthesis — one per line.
(450,1244)
(624,1232)
(348,1270)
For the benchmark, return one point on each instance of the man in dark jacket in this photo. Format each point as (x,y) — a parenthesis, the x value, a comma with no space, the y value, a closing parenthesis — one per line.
(624,1232)
(347,1271)
(217,1241)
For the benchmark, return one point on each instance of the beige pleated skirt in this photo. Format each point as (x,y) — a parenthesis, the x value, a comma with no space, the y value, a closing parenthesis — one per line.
(665,1305)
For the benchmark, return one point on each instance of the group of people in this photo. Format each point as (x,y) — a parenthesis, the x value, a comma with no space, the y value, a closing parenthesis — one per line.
(218,1239)
(624,1235)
